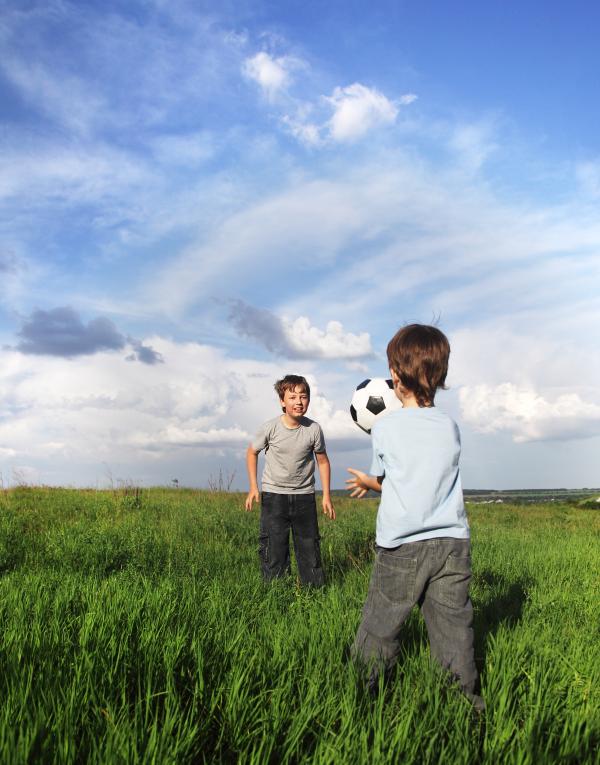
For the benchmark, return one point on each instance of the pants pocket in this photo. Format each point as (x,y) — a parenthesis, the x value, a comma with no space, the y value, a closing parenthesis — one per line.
(452,587)
(395,578)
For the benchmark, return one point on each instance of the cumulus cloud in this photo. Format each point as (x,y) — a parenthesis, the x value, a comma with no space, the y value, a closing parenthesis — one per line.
(97,408)
(61,332)
(528,415)
(273,75)
(354,111)
(198,412)
(298,339)
(357,109)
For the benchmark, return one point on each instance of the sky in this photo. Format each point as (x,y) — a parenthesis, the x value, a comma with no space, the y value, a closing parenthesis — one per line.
(197,198)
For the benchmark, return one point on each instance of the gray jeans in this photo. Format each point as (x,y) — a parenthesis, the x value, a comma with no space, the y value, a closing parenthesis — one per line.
(434,573)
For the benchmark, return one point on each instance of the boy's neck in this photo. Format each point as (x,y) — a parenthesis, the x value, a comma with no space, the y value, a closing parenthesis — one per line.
(409,400)
(291,422)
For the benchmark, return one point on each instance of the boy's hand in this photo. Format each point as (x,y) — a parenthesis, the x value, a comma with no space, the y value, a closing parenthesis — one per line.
(358,485)
(328,508)
(253,496)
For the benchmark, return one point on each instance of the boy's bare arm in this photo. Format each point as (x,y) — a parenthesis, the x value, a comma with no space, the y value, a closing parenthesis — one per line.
(325,475)
(360,483)
(252,465)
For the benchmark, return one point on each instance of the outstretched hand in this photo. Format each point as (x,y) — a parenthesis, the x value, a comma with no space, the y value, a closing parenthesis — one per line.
(253,496)
(357,485)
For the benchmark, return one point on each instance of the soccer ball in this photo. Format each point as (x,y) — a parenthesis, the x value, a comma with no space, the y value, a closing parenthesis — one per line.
(372,399)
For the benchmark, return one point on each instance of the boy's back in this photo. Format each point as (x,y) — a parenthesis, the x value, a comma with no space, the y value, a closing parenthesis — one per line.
(423,546)
(418,450)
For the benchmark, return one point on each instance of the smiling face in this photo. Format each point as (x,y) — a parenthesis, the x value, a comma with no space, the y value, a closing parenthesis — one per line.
(295,402)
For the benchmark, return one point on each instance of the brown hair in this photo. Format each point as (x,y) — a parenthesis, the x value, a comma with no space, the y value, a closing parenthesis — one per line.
(291,382)
(418,354)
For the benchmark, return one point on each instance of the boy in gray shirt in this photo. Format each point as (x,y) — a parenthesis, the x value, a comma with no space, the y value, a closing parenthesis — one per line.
(291,443)
(422,541)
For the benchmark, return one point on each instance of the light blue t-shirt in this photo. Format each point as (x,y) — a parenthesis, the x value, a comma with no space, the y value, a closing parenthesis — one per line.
(417,450)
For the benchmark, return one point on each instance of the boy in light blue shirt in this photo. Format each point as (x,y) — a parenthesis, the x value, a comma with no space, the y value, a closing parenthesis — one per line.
(422,540)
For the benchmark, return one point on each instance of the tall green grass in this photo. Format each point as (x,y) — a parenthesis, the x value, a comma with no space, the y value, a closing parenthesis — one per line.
(134,627)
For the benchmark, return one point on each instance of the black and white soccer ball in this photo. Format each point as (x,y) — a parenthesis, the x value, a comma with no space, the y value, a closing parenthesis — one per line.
(371,400)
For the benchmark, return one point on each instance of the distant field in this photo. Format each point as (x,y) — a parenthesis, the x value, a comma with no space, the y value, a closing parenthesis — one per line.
(134,627)
(526,496)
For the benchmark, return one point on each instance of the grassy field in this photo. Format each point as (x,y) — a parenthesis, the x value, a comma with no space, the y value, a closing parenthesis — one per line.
(134,627)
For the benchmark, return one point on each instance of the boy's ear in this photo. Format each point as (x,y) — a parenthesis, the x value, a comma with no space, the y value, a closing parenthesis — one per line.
(395,378)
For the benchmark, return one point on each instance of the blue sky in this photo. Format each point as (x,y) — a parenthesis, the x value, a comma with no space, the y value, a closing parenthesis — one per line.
(197,198)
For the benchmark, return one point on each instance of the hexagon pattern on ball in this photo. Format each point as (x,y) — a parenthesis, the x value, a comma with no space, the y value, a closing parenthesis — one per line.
(372,399)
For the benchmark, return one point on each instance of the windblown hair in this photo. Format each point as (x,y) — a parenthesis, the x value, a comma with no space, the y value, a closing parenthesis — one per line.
(291,382)
(419,354)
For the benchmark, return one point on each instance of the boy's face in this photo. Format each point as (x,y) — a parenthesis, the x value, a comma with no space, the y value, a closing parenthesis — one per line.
(295,401)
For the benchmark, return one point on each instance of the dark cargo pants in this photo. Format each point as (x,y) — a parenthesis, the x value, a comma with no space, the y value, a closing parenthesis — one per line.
(435,573)
(281,513)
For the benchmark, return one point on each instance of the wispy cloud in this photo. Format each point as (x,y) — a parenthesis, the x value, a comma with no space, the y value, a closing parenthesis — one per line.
(297,338)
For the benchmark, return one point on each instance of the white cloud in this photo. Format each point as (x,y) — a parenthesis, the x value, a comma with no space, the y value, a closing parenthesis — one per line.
(398,234)
(100,407)
(70,418)
(331,343)
(174,436)
(528,415)
(297,338)
(337,424)
(273,75)
(357,110)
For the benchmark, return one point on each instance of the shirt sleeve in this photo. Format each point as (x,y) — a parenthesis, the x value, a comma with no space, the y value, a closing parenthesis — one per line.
(319,446)
(261,439)
(377,467)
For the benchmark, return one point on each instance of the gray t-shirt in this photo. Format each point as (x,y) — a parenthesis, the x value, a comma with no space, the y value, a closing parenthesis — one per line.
(289,460)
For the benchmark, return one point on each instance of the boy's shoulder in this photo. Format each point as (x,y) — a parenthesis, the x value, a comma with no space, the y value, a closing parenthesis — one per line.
(410,418)
(269,425)
(306,422)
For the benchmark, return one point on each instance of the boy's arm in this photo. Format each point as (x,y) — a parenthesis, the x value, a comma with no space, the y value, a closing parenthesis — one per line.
(360,483)
(325,475)
(251,466)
